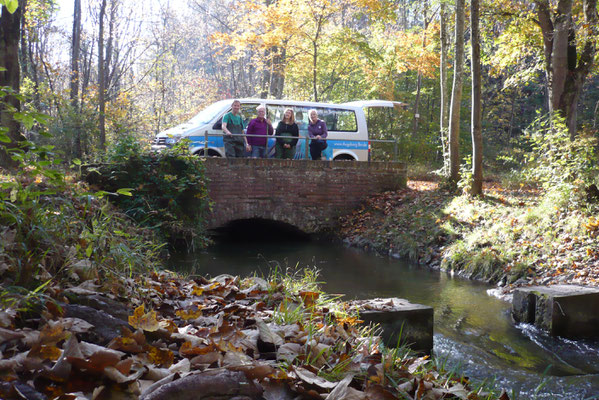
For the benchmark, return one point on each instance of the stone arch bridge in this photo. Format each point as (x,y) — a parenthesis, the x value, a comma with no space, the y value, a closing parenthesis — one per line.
(310,195)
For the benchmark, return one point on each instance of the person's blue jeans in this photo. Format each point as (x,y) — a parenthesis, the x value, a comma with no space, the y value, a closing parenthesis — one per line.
(258,152)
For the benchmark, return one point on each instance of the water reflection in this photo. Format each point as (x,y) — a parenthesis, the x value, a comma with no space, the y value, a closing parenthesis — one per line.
(471,328)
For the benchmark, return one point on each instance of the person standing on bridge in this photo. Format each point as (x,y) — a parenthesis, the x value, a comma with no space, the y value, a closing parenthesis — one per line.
(287,135)
(233,129)
(317,130)
(259,126)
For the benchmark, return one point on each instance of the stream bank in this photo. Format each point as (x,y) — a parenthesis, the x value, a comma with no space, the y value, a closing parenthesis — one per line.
(507,238)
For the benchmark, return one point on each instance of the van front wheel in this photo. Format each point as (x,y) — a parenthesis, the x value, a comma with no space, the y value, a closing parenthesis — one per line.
(211,153)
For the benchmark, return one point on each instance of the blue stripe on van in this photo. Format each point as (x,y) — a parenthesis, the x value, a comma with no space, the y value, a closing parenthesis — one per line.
(217,141)
(346,144)
(213,141)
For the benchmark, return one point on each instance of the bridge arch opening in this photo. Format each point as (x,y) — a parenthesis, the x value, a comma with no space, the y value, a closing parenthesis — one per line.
(258,230)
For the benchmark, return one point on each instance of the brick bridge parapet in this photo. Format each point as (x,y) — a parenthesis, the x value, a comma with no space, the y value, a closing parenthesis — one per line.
(310,195)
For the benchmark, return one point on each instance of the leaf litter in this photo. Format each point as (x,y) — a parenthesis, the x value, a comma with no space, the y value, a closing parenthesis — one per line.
(197,338)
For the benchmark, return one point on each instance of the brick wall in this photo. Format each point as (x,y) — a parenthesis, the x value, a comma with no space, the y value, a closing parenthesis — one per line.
(310,195)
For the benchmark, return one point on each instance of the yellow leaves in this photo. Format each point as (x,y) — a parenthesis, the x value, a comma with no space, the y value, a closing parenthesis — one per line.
(45,352)
(190,314)
(349,320)
(142,320)
(161,357)
(196,290)
(187,349)
(592,226)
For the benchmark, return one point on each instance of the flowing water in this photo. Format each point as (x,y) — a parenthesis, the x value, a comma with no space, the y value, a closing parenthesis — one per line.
(472,329)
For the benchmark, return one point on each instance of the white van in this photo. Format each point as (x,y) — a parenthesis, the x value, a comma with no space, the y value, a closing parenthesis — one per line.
(346,124)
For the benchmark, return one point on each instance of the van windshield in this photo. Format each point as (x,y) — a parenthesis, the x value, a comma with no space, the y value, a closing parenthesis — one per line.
(209,113)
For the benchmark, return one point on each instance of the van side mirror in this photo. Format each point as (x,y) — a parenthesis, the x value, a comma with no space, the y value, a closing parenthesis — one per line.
(218,124)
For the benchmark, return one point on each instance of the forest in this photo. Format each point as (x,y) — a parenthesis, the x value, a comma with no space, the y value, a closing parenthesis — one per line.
(499,134)
(115,69)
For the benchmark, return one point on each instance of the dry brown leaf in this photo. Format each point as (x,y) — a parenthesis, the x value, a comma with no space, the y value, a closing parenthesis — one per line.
(459,391)
(341,390)
(97,362)
(378,392)
(8,334)
(181,367)
(417,363)
(257,370)
(168,325)
(309,298)
(236,358)
(117,376)
(267,335)
(124,366)
(314,380)
(207,359)
(62,368)
(288,352)
(126,344)
(52,333)
(187,349)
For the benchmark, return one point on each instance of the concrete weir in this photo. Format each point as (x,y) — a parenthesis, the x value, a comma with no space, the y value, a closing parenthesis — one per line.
(568,311)
(401,322)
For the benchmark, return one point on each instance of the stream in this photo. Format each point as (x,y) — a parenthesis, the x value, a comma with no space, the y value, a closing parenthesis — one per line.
(472,329)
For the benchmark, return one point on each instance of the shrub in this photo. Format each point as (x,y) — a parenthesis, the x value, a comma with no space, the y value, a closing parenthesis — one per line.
(169,190)
(557,162)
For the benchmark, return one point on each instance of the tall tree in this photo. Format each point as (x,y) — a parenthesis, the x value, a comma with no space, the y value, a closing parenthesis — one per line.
(565,67)
(10,29)
(476,127)
(444,100)
(102,78)
(75,55)
(456,94)
(419,74)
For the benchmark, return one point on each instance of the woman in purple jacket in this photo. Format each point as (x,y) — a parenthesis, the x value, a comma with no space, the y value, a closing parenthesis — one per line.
(258,126)
(317,130)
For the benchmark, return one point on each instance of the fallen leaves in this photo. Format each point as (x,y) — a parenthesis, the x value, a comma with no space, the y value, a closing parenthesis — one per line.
(210,332)
(142,320)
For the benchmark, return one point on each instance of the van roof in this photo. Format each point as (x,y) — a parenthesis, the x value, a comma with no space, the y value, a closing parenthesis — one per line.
(376,103)
(352,104)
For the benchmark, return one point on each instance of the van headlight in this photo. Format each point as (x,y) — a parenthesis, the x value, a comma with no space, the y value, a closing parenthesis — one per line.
(172,139)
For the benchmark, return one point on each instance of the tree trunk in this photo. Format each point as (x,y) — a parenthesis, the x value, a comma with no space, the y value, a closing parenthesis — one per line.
(565,68)
(101,79)
(477,139)
(419,78)
(278,82)
(109,53)
(314,62)
(10,29)
(23,56)
(456,95)
(444,101)
(74,95)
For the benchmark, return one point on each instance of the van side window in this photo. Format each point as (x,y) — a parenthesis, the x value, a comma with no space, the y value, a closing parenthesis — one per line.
(346,121)
(339,120)
(248,112)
